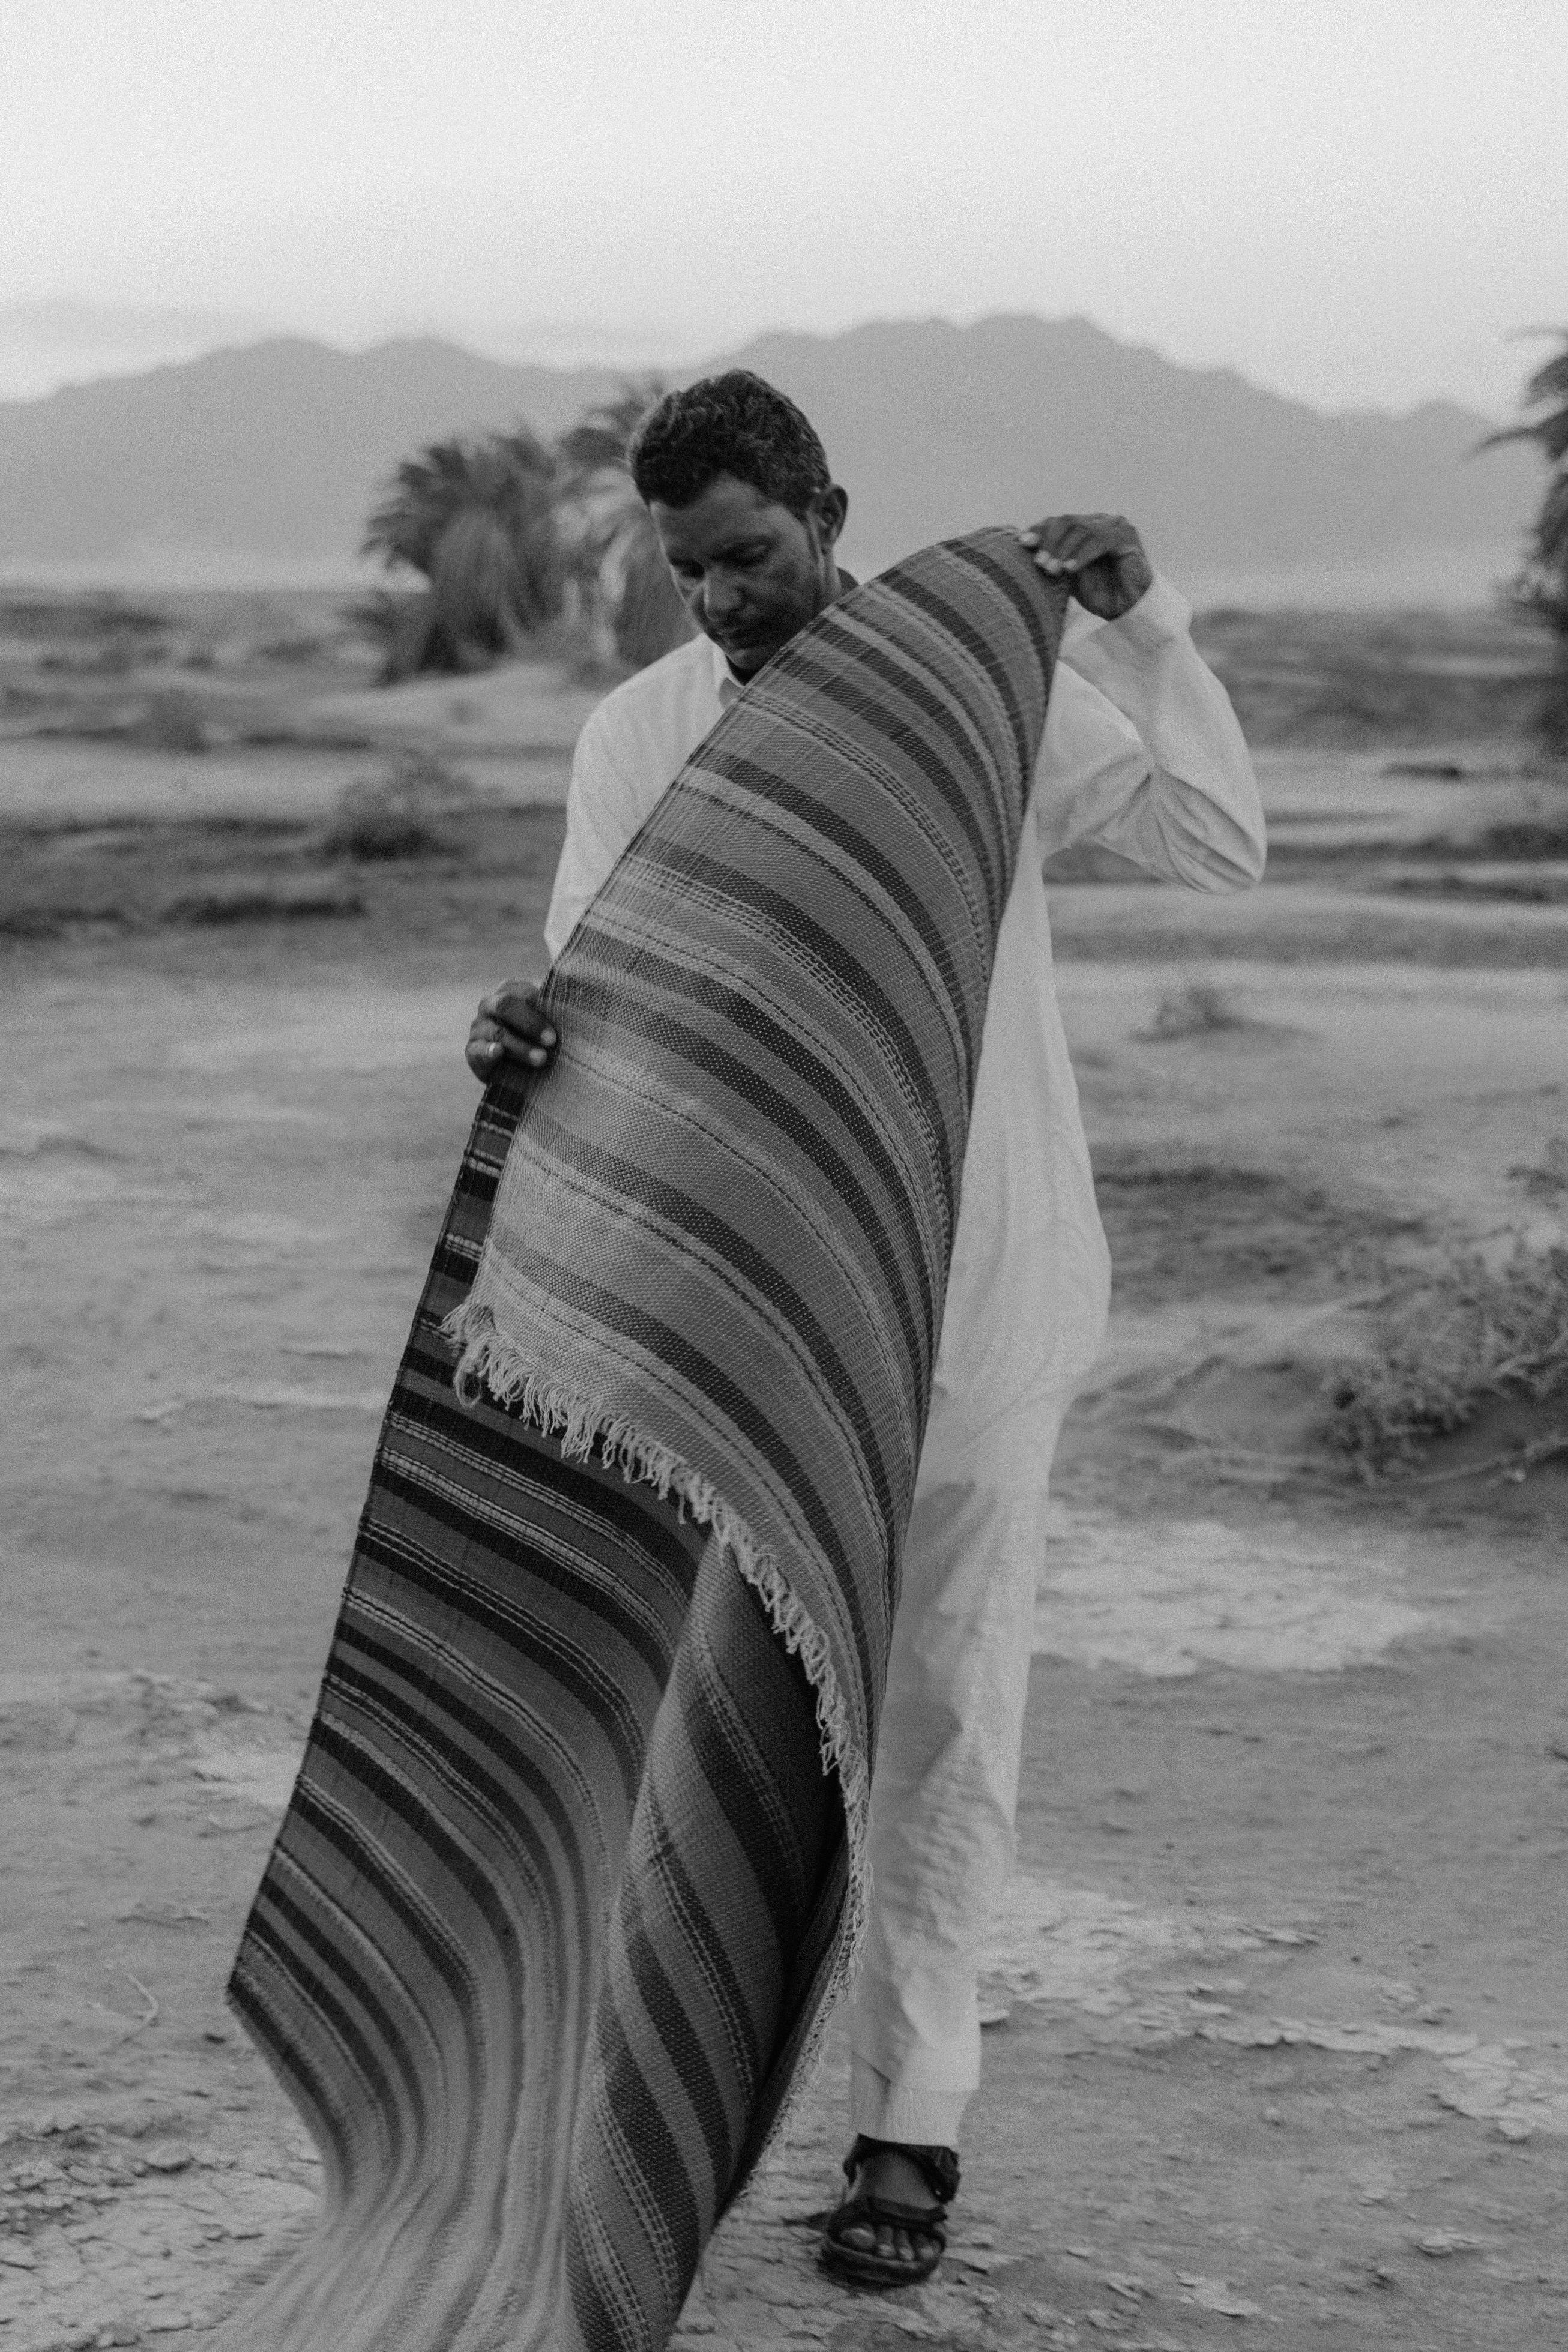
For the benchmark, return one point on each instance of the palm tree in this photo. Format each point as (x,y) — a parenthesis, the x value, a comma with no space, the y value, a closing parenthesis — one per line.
(1541,589)
(614,549)
(477,518)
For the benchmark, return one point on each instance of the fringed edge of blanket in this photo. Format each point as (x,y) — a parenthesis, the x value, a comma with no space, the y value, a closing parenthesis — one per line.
(490,1365)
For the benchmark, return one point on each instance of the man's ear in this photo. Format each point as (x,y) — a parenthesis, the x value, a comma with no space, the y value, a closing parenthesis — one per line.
(829,506)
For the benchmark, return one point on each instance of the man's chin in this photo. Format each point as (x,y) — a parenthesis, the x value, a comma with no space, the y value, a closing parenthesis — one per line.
(747,658)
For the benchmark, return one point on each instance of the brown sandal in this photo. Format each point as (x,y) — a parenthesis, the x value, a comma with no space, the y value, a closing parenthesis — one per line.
(940,2166)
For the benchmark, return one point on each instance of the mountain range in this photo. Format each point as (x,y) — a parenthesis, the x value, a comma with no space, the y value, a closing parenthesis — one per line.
(270,456)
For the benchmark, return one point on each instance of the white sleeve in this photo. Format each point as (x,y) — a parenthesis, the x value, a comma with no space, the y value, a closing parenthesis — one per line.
(1142,754)
(603,808)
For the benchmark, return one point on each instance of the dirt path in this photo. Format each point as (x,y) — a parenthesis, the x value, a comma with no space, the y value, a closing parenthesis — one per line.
(1280,2056)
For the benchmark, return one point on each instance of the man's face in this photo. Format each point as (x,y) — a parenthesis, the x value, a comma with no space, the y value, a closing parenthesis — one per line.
(751,575)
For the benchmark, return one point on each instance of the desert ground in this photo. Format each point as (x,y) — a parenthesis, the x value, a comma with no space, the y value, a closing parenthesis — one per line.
(1278,2051)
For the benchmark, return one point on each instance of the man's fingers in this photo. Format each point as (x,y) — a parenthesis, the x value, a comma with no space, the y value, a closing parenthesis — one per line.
(510,1025)
(496,1040)
(1066,543)
(492,1042)
(1081,545)
(485,1057)
(515,1006)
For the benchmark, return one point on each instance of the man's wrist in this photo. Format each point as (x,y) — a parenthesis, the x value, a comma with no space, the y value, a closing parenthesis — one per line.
(1160,613)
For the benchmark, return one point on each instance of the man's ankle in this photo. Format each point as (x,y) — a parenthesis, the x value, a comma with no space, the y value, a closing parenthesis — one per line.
(905,2172)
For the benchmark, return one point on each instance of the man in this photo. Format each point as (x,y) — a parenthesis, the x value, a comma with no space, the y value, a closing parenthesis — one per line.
(1141,752)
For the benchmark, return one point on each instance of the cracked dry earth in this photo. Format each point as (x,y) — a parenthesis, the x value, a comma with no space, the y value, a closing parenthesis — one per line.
(1277,2041)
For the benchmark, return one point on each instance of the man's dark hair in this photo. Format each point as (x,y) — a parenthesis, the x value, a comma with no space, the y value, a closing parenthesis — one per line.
(732,424)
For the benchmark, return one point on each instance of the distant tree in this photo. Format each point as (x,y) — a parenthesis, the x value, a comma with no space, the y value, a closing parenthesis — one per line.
(477,519)
(612,546)
(1541,589)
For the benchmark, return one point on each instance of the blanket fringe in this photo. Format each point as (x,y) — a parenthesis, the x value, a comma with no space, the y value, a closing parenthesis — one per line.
(490,1365)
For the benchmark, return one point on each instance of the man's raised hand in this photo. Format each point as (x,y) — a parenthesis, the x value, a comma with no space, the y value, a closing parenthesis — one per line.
(510,1026)
(1100,556)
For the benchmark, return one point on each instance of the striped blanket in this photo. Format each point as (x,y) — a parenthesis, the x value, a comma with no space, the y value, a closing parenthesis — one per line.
(574,1867)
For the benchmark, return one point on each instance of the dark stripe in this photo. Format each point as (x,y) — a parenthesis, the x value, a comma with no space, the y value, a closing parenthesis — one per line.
(670,1348)
(808,1982)
(597,2318)
(335,1963)
(486,1788)
(592,1164)
(897,1043)
(287,2057)
(685,1897)
(725,1772)
(649,1024)
(926,599)
(662,1998)
(525,1632)
(991,856)
(855,847)
(386,1788)
(355,1845)
(664,2165)
(317,1995)
(521,1546)
(626,1515)
(973,687)
(1029,607)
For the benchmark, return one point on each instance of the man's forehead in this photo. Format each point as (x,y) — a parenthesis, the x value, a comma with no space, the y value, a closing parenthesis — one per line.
(726,510)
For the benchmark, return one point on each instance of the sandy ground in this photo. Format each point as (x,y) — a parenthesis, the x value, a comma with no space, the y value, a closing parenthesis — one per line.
(1279,2053)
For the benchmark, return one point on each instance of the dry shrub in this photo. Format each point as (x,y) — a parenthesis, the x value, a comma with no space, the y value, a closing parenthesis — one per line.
(304,647)
(370,833)
(1548,1179)
(1468,1335)
(1198,1009)
(261,902)
(396,815)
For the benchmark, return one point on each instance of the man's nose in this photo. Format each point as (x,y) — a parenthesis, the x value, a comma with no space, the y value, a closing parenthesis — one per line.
(720,597)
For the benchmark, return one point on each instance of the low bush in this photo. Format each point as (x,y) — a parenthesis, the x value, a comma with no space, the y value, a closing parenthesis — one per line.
(1196,1010)
(1545,1179)
(1468,1335)
(261,902)
(368,833)
(396,815)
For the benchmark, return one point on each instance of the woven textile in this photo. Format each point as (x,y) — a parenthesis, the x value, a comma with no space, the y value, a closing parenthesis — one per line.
(561,1900)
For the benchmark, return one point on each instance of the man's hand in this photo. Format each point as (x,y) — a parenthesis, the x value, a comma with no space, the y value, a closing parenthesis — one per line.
(1100,557)
(509,1028)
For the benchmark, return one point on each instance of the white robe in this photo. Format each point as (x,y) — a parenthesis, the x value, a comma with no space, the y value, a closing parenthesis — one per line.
(1142,753)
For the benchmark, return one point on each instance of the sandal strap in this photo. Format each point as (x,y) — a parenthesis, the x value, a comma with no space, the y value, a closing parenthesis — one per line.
(926,2220)
(939,2165)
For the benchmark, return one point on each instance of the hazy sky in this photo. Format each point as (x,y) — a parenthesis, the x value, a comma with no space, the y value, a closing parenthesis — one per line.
(1352,201)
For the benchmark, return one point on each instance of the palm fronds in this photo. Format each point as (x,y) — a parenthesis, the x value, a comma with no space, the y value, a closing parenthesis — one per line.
(500,527)
(1549,383)
(599,440)
(616,552)
(477,518)
(1540,590)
